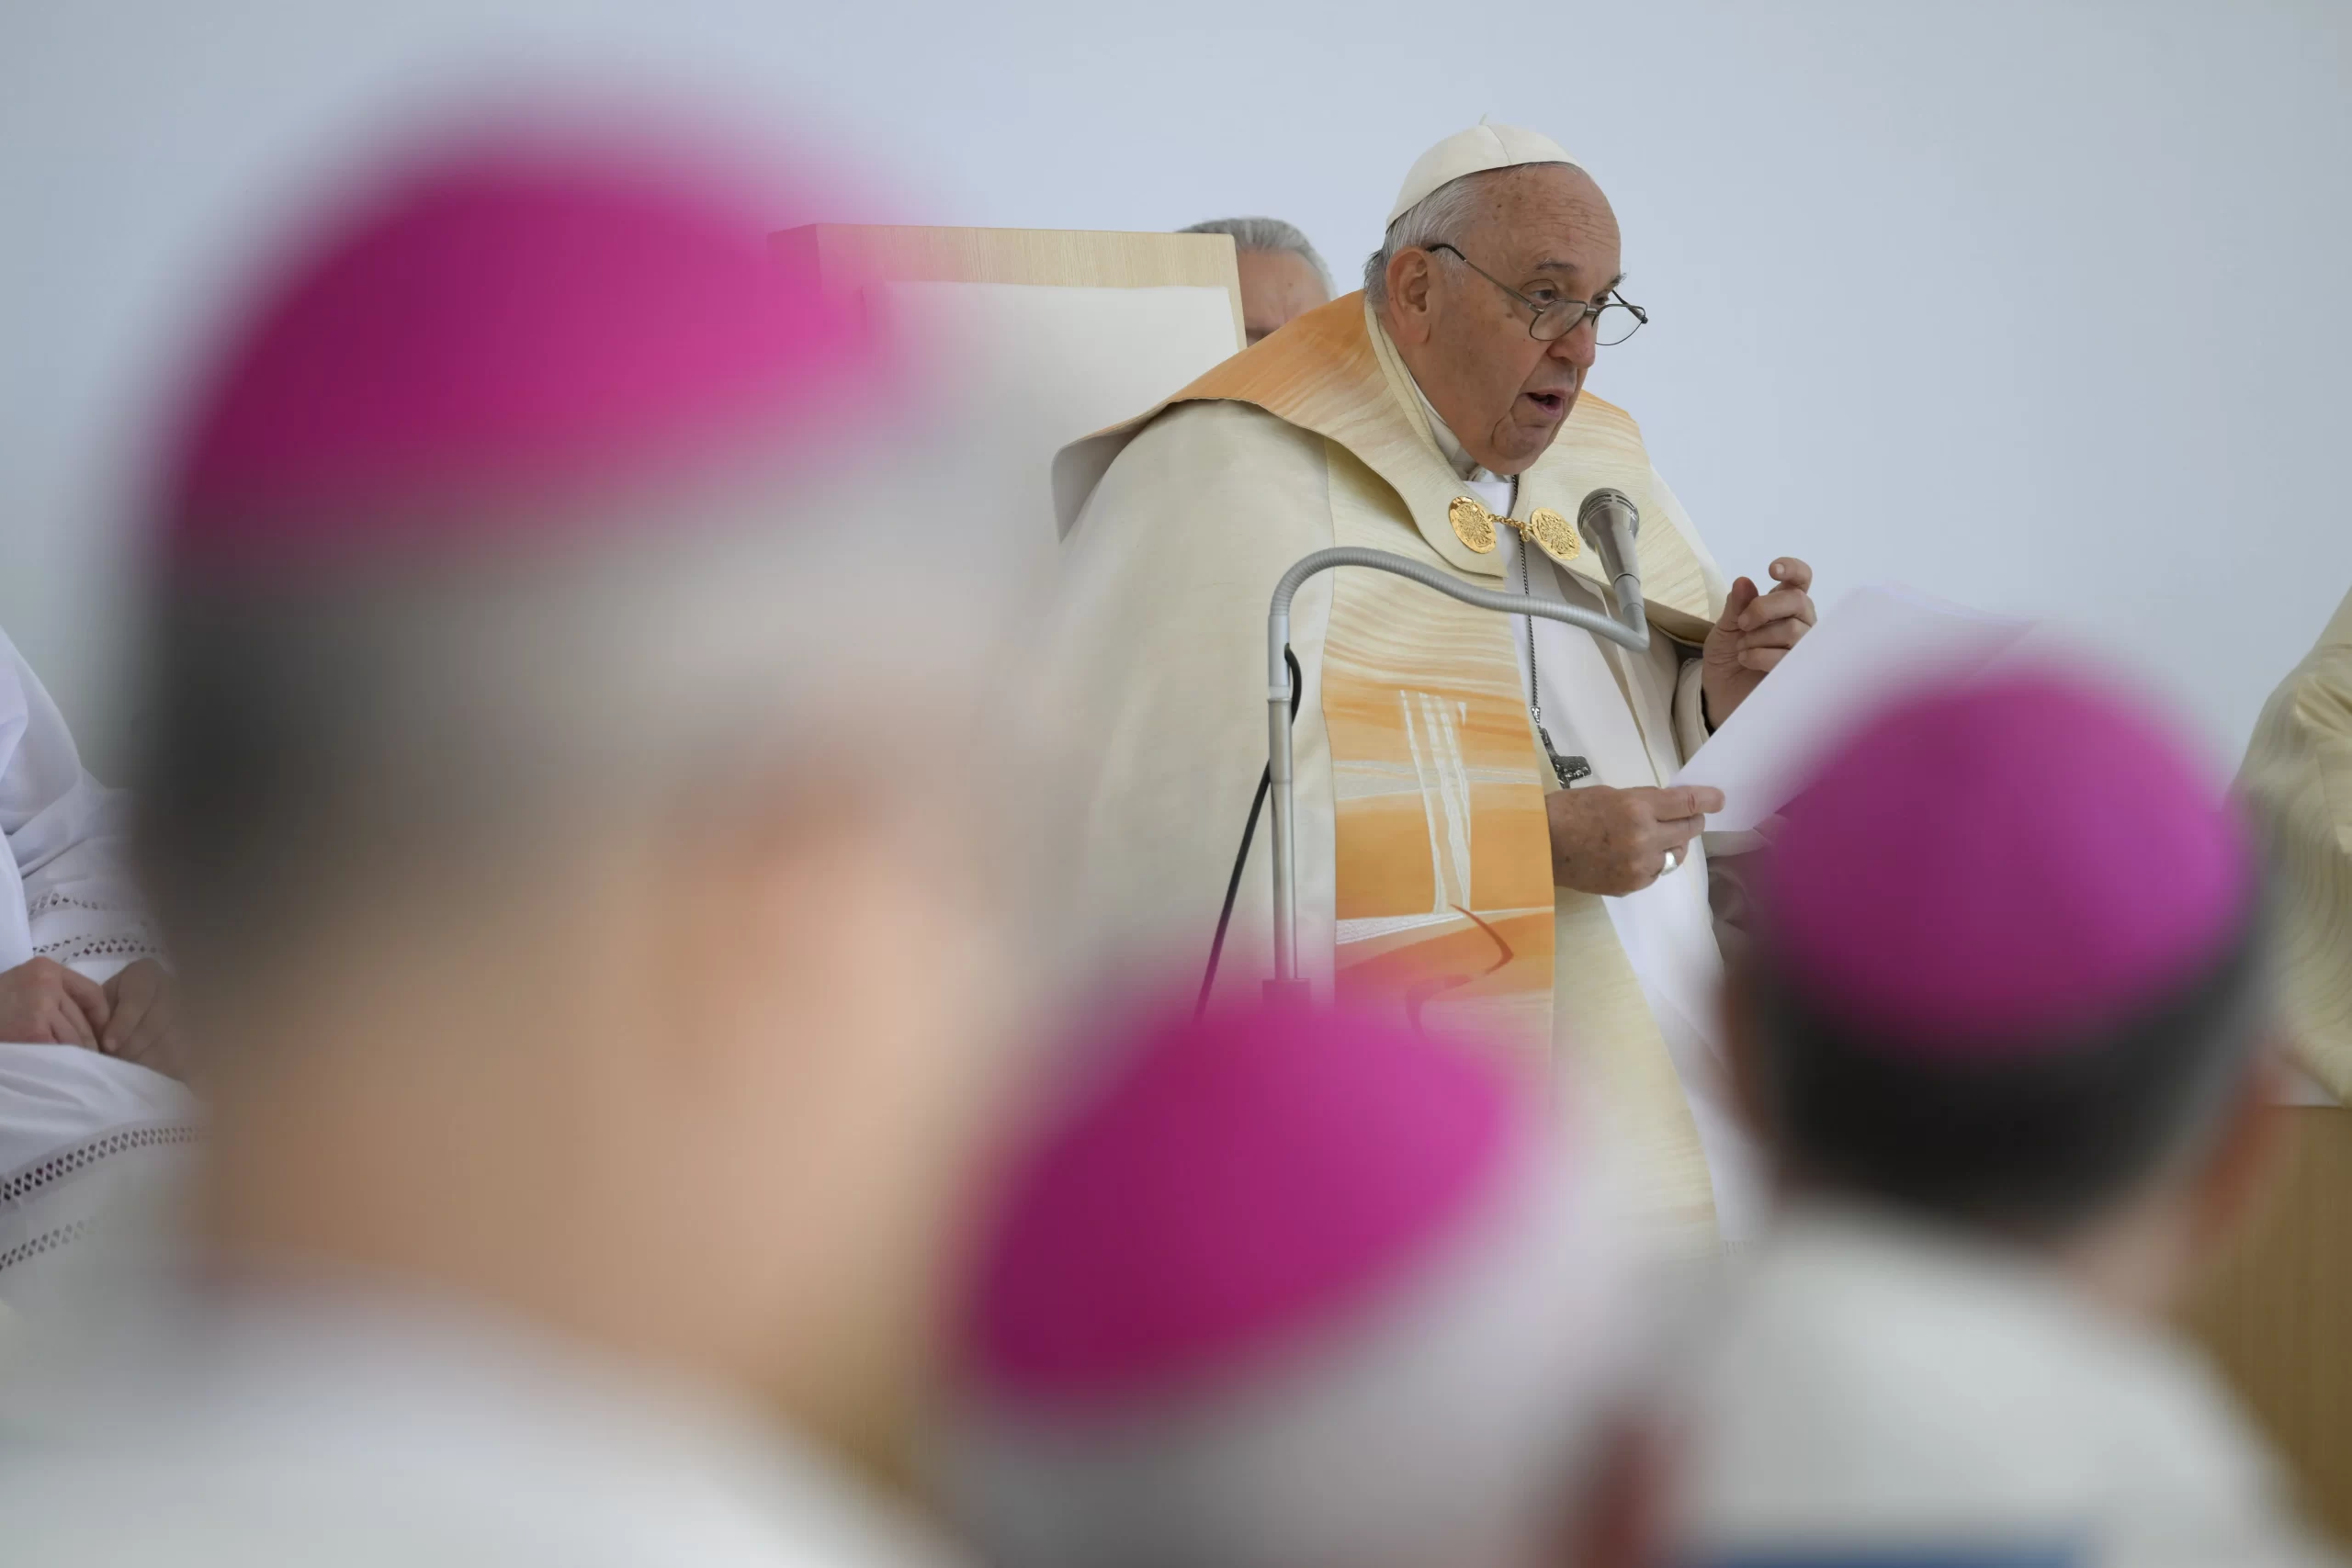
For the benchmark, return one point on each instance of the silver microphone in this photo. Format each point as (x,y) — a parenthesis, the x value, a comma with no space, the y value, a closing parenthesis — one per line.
(1609,523)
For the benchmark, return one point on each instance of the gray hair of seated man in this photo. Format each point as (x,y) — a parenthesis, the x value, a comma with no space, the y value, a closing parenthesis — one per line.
(1266,235)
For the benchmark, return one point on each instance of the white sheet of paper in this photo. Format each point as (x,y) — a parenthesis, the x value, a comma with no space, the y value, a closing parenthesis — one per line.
(1874,643)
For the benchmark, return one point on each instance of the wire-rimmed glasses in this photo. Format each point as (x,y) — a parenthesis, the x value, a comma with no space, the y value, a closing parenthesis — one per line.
(1613,319)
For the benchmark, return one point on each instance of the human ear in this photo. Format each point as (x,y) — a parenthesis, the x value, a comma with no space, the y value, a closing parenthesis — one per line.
(1410,276)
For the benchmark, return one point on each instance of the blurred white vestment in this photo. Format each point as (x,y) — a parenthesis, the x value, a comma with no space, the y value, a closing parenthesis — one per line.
(80,1132)
(291,1429)
(89,1146)
(65,887)
(1879,1393)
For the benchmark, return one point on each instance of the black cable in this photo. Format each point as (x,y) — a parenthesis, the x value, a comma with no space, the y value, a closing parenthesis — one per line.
(1233,886)
(1248,831)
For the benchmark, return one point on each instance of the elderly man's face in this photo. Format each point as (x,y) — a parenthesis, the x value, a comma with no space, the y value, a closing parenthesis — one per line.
(1276,286)
(1547,230)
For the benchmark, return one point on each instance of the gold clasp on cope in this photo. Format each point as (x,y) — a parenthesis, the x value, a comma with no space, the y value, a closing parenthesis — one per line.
(1474,526)
(1472,523)
(1550,530)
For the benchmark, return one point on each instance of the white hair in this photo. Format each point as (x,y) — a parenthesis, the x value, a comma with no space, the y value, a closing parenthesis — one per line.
(1266,235)
(1439,217)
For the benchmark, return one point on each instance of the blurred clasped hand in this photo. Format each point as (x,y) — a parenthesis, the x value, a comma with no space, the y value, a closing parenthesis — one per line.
(44,1003)
(142,1022)
(134,1016)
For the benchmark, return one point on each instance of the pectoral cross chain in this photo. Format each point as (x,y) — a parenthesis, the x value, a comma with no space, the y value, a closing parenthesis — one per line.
(1567,770)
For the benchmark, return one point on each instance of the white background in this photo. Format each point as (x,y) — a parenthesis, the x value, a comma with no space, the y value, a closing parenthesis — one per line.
(2040,306)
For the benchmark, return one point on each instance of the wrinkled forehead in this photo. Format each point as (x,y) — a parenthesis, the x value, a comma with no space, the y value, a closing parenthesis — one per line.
(1546,217)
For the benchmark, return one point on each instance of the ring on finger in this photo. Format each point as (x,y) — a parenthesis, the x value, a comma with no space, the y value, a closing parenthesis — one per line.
(1673,860)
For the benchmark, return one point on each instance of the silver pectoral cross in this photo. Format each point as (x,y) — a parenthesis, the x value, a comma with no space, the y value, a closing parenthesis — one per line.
(1567,770)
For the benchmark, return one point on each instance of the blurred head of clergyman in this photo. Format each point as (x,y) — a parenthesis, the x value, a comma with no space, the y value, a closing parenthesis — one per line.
(2060,1046)
(593,974)
(508,800)
(1282,276)
(1210,1324)
(2005,1026)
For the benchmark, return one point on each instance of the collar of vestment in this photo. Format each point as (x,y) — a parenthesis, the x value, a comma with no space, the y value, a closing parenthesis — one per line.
(1333,371)
(1449,445)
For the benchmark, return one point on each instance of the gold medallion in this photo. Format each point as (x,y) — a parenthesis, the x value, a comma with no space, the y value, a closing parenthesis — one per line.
(1550,530)
(1472,523)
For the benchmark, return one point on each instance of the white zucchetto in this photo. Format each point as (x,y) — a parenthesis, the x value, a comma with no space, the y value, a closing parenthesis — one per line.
(1473,151)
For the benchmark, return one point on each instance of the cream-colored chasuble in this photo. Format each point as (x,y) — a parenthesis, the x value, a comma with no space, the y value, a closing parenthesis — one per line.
(2297,780)
(1424,847)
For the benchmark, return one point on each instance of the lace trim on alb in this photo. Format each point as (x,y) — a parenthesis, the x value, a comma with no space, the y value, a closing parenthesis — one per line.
(70,949)
(45,902)
(47,1241)
(112,941)
(51,1169)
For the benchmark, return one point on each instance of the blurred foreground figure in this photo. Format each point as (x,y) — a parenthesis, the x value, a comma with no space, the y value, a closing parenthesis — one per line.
(1295,1291)
(2012,1076)
(589,985)
(1281,275)
(2297,782)
(84,1002)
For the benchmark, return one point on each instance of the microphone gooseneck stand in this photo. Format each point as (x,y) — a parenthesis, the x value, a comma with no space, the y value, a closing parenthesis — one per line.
(1607,520)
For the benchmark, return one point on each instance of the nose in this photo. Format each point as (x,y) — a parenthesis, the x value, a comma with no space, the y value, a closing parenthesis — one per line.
(1578,348)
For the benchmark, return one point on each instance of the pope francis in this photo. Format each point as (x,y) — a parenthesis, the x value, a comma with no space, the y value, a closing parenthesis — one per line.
(1486,840)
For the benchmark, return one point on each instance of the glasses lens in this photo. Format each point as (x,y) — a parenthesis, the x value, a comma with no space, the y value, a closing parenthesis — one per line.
(1554,322)
(1615,324)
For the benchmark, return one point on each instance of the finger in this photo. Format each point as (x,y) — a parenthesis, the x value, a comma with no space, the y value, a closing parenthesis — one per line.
(1673,835)
(68,1026)
(1791,572)
(1686,801)
(1762,659)
(158,1041)
(1652,867)
(1780,634)
(1736,604)
(85,993)
(148,1047)
(123,1024)
(1781,603)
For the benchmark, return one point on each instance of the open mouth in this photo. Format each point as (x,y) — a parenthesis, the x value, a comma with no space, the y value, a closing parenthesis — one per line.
(1553,403)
